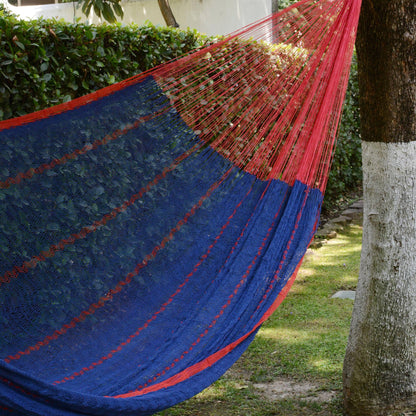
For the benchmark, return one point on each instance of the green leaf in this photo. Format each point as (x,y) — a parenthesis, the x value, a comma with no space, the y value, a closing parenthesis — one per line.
(118,9)
(97,191)
(53,226)
(98,7)
(73,86)
(100,51)
(86,7)
(47,77)
(44,66)
(108,13)
(20,44)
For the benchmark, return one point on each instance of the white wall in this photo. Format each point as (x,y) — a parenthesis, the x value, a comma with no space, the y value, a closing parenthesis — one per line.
(213,17)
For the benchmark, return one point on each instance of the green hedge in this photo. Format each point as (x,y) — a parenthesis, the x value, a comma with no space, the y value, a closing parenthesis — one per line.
(346,172)
(46,62)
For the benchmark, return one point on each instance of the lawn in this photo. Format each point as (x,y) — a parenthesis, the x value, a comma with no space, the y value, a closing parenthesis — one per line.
(294,365)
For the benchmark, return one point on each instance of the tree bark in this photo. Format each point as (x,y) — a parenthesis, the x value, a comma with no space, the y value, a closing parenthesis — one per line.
(380,361)
(275,6)
(167,13)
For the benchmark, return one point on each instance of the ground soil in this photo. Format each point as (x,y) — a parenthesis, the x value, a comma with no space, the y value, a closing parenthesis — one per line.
(286,388)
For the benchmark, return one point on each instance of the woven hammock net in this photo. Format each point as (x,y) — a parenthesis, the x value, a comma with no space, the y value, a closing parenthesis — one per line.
(147,230)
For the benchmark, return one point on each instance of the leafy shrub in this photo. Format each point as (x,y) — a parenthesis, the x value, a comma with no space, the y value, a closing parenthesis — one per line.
(285,3)
(47,62)
(346,172)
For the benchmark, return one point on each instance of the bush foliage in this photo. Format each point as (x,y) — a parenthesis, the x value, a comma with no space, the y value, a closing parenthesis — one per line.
(47,62)
(346,172)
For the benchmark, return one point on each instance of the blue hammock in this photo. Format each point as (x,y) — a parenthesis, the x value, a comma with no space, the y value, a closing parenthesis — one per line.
(137,261)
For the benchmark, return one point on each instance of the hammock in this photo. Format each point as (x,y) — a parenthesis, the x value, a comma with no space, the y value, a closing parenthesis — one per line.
(147,230)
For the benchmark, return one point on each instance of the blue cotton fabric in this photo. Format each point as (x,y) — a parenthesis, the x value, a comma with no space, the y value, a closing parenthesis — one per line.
(188,266)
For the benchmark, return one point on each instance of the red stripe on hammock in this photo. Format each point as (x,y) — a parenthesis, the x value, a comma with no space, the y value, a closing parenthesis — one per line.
(120,285)
(17,179)
(7,409)
(54,248)
(163,308)
(209,361)
(73,104)
(19,388)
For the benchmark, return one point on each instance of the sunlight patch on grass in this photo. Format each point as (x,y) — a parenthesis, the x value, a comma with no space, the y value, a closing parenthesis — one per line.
(285,334)
(323,365)
(214,391)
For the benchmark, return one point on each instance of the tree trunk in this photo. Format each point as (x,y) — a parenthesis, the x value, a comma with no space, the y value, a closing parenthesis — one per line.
(275,6)
(380,361)
(167,13)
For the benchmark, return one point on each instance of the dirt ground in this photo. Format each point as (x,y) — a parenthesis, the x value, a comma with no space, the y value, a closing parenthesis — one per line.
(284,388)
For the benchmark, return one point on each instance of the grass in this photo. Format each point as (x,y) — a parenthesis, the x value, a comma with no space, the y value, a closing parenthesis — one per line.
(303,342)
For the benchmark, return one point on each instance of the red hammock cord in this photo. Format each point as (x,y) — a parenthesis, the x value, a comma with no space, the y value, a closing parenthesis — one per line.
(269,97)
